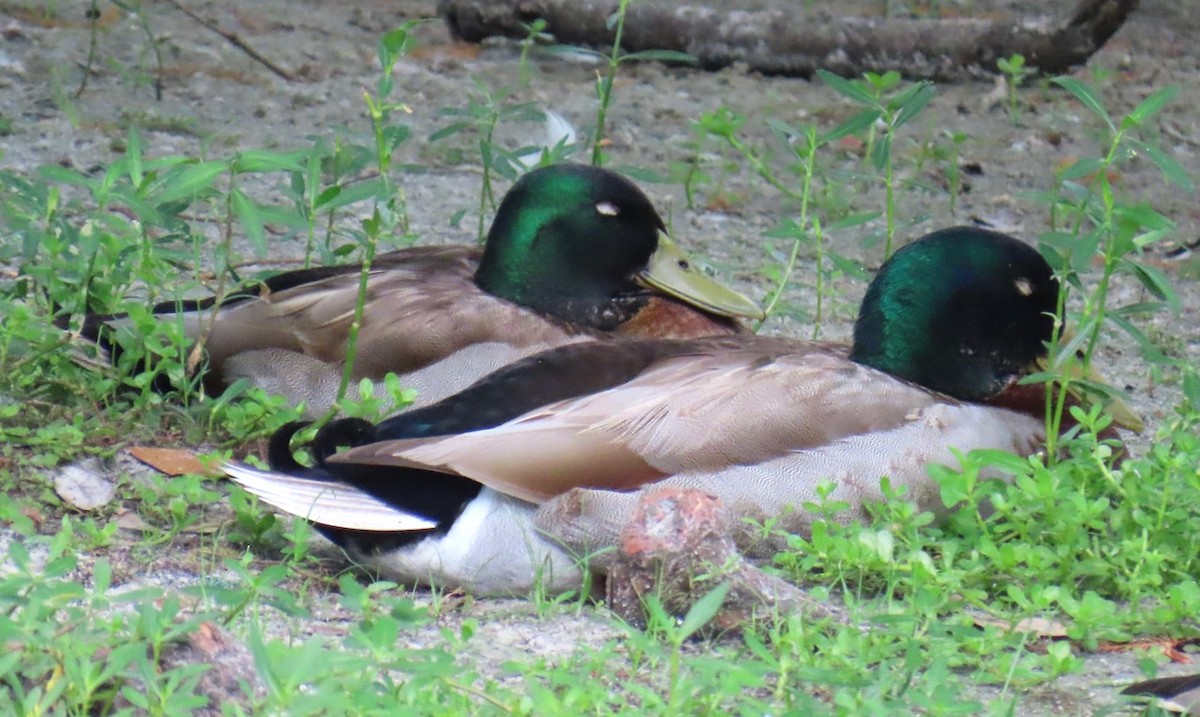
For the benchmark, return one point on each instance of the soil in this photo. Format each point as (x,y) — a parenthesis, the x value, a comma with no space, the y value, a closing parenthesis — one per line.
(216,100)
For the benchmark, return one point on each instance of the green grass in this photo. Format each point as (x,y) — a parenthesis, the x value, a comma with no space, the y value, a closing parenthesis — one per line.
(1106,548)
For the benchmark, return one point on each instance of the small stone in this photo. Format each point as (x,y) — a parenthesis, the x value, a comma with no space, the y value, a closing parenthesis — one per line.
(83,485)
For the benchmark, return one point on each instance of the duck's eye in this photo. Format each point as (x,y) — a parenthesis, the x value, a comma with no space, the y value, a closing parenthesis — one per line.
(607,209)
(1024,288)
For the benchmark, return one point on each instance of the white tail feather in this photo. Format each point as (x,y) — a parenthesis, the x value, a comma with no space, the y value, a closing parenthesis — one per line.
(334,504)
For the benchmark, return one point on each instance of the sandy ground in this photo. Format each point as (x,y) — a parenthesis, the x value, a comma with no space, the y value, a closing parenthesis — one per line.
(217,100)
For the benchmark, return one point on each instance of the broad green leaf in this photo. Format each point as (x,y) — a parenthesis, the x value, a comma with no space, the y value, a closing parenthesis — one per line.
(1150,351)
(849,267)
(661,56)
(572,50)
(327,196)
(1150,106)
(921,95)
(1084,94)
(849,88)
(1144,215)
(853,126)
(1191,388)
(395,44)
(67,176)
(256,160)
(189,181)
(641,174)
(882,150)
(704,610)
(395,135)
(262,660)
(357,192)
(133,155)
(1155,281)
(146,212)
(1141,307)
(1171,170)
(245,209)
(1083,167)
(852,221)
(1001,460)
(450,130)
(283,216)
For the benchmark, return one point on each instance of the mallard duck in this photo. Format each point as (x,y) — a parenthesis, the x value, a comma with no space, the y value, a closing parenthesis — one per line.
(540,462)
(1177,695)
(575,252)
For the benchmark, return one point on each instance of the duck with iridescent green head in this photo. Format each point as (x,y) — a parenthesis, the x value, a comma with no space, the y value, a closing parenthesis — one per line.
(574,253)
(543,461)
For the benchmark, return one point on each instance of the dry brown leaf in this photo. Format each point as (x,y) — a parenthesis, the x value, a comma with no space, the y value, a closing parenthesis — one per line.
(174,461)
(1173,648)
(131,521)
(1038,626)
(33,514)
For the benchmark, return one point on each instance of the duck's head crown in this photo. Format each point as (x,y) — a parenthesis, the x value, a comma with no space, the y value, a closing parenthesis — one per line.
(569,234)
(962,311)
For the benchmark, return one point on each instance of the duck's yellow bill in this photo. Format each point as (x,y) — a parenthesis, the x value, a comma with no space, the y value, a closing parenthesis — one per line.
(672,272)
(1122,413)
(1075,374)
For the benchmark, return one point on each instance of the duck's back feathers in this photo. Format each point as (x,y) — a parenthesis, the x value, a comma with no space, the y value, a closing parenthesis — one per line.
(690,410)
(421,306)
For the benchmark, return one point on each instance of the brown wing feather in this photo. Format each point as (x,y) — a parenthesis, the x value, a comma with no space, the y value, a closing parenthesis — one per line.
(776,490)
(686,413)
(422,306)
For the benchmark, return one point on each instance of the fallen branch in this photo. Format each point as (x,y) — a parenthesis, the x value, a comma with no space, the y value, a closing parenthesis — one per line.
(793,43)
(233,39)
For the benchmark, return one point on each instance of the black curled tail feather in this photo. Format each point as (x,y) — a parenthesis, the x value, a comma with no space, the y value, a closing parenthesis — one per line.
(338,435)
(279,449)
(342,434)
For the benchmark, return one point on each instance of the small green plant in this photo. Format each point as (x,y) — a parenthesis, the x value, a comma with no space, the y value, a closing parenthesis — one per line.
(1015,73)
(153,44)
(886,109)
(954,179)
(802,145)
(675,633)
(614,60)
(1089,222)
(487,109)
(535,32)
(390,212)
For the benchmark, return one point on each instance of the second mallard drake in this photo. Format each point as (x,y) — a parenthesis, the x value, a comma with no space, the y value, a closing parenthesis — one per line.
(574,252)
(452,493)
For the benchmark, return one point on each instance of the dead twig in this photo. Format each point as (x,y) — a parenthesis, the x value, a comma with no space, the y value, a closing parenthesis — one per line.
(234,40)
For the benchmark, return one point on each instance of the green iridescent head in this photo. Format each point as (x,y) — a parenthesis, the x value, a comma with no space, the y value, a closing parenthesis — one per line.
(964,311)
(583,244)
